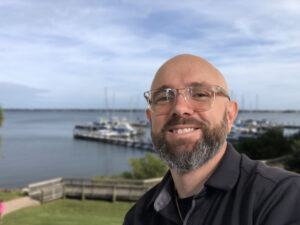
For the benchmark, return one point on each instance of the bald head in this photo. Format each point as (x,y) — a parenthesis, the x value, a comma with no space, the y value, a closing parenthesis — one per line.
(186,68)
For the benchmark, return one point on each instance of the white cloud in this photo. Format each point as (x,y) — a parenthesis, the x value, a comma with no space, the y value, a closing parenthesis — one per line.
(66,46)
(14,95)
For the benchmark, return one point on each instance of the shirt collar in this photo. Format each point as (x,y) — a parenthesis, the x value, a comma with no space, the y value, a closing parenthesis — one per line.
(227,172)
(163,193)
(224,177)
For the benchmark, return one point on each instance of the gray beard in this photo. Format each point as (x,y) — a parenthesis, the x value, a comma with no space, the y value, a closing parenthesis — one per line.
(206,148)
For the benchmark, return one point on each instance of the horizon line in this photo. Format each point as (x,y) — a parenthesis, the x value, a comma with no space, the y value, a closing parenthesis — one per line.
(138,109)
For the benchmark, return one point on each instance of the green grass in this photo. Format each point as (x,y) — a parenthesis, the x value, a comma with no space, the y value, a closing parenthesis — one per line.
(70,212)
(7,195)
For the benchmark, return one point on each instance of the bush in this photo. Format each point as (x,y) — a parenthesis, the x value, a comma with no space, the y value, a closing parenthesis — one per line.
(271,144)
(148,167)
(1,116)
(144,168)
(293,163)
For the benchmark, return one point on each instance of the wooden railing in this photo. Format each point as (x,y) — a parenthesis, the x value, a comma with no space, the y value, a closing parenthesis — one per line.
(106,189)
(46,191)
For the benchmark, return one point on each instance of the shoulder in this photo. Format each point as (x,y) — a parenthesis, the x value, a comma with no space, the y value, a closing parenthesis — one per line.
(141,206)
(271,176)
(275,191)
(143,209)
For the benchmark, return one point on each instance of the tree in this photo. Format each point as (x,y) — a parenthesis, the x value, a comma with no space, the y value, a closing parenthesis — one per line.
(143,168)
(148,167)
(271,144)
(296,136)
(293,163)
(1,116)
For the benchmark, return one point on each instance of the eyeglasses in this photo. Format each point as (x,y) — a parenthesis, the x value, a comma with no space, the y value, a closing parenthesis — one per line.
(200,97)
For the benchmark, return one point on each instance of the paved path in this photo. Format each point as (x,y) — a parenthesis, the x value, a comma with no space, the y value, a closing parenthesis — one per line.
(19,203)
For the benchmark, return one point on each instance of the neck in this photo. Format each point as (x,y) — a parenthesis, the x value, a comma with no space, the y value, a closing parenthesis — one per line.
(191,183)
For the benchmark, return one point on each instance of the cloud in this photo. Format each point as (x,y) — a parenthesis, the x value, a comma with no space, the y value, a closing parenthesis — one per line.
(70,46)
(15,95)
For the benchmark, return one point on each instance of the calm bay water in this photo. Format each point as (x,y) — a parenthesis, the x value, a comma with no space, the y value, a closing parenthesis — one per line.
(39,145)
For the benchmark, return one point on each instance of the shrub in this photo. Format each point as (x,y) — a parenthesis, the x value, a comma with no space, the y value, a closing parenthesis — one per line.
(1,116)
(293,163)
(148,167)
(271,144)
(143,168)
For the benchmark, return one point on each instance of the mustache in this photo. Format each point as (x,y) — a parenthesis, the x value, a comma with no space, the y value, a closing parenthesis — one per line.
(177,120)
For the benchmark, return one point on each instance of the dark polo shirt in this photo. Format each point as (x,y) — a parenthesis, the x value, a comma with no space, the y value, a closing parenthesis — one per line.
(240,192)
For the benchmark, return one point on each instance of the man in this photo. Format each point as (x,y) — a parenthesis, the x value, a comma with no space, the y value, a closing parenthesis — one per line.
(209,182)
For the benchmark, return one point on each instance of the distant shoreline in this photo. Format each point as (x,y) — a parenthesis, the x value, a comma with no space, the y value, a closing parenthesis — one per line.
(135,110)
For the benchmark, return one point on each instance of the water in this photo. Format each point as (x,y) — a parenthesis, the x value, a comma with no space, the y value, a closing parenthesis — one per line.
(39,145)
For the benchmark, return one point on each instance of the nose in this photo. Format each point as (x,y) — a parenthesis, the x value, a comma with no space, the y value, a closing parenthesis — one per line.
(181,106)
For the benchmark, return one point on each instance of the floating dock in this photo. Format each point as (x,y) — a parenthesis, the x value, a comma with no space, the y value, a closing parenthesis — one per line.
(127,142)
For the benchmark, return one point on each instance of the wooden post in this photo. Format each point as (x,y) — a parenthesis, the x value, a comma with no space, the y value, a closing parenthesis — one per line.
(114,194)
(42,196)
(64,191)
(83,194)
(130,193)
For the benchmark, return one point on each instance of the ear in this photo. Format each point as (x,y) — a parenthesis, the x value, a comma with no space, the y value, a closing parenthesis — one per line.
(148,114)
(232,111)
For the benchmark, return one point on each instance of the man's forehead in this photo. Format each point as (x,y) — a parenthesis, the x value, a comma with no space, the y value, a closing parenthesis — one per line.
(183,70)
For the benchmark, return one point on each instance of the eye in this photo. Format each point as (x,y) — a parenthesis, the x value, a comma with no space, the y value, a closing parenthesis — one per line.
(200,94)
(162,96)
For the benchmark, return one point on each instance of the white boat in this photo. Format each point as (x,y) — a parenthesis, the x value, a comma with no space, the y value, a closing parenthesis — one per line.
(106,133)
(123,127)
(245,129)
(238,132)
(110,128)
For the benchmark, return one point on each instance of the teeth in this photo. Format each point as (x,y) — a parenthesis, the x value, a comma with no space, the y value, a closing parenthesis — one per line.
(181,131)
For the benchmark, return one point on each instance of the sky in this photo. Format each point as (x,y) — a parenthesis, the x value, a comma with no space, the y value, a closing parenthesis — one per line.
(93,54)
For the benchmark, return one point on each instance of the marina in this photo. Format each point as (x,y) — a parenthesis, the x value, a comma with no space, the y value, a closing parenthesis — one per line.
(40,144)
(106,132)
(116,132)
(113,128)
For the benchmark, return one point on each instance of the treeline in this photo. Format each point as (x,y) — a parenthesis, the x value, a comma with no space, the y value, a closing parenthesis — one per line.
(274,144)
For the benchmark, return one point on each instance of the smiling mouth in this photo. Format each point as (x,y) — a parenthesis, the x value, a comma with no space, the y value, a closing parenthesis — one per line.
(183,130)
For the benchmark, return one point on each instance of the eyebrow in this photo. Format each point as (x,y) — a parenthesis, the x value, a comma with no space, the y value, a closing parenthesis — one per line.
(161,87)
(198,84)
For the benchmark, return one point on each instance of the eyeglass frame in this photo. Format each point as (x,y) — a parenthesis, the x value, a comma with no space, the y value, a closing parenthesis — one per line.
(217,90)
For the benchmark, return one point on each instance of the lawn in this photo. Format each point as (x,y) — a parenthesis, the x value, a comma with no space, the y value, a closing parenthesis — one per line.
(7,195)
(70,212)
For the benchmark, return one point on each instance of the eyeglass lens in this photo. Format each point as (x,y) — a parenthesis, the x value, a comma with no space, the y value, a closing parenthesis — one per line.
(199,98)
